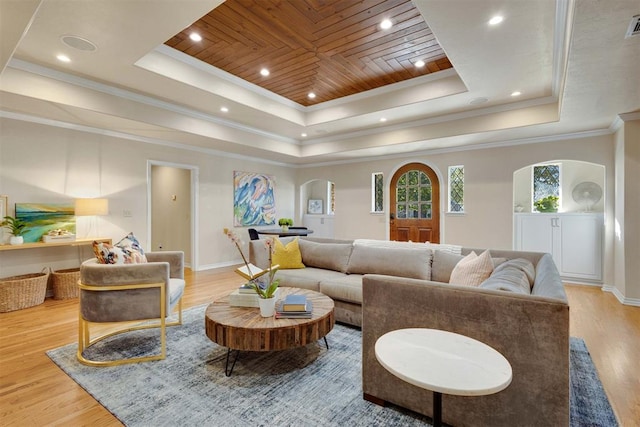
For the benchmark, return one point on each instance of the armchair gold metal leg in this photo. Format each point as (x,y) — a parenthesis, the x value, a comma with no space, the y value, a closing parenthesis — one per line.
(85,341)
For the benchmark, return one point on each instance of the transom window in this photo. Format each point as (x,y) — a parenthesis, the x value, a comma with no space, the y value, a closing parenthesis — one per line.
(413,195)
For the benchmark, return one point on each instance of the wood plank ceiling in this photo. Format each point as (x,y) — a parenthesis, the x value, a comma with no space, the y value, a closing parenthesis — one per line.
(332,48)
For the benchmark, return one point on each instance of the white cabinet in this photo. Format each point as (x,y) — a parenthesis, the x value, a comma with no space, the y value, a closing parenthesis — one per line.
(573,239)
(322,225)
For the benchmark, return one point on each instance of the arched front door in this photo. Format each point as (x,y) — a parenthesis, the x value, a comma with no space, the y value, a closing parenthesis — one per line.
(414,204)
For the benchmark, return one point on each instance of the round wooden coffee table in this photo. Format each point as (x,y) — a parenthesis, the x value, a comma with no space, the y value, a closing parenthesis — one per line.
(242,328)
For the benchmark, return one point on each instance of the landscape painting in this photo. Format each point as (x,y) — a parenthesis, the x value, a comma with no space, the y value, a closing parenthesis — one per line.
(44,217)
(253,199)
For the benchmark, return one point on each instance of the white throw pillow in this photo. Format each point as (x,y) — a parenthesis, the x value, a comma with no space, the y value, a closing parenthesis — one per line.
(472,270)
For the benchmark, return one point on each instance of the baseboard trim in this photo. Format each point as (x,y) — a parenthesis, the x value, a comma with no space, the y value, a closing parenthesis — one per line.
(635,302)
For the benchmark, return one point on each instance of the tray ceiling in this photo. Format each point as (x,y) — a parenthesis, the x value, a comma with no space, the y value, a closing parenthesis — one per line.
(332,48)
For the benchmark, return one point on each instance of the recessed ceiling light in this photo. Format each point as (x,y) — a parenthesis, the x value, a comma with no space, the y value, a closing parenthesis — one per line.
(264,72)
(386,24)
(224,109)
(419,63)
(496,20)
(195,37)
(304,135)
(63,58)
(516,93)
(383,119)
(311,95)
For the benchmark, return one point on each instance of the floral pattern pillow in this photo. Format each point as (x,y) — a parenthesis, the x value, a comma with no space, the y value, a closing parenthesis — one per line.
(126,251)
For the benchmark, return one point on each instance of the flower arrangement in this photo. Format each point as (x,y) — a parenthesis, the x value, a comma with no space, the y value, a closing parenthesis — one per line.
(285,222)
(264,288)
(236,241)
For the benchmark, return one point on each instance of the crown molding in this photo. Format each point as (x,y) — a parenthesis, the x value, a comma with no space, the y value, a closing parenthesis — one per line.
(434,120)
(29,67)
(479,146)
(561,43)
(172,144)
(132,137)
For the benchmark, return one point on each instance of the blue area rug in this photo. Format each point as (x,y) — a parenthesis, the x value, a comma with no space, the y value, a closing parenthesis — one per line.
(308,386)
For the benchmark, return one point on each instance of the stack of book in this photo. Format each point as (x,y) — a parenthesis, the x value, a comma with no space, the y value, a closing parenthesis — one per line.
(245,296)
(294,306)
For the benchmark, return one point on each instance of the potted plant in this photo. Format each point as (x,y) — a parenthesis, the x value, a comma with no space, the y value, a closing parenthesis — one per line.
(285,223)
(264,284)
(16,227)
(547,204)
(266,289)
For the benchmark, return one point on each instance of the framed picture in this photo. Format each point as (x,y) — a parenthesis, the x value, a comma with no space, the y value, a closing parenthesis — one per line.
(315,206)
(4,205)
(253,199)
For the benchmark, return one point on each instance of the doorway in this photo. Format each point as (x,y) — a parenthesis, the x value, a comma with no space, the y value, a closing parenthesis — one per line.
(172,224)
(414,211)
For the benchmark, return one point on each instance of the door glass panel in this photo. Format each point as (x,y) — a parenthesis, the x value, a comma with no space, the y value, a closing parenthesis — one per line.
(425,194)
(413,177)
(425,210)
(401,194)
(413,187)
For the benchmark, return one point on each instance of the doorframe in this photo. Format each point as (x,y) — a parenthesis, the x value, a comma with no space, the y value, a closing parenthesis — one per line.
(387,189)
(195,261)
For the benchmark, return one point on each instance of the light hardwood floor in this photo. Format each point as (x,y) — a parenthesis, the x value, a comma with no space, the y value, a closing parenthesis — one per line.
(35,392)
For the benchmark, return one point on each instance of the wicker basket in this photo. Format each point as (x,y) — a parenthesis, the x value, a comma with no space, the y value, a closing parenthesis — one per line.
(65,283)
(27,290)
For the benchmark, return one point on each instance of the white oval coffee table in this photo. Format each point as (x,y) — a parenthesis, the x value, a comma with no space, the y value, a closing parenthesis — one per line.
(443,362)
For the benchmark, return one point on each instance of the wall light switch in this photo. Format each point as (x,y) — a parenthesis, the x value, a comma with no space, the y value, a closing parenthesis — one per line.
(126,213)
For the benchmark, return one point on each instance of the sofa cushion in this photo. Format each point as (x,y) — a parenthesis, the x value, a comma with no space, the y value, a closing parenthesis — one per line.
(288,256)
(346,288)
(523,265)
(307,278)
(402,260)
(331,256)
(443,264)
(126,251)
(510,279)
(472,270)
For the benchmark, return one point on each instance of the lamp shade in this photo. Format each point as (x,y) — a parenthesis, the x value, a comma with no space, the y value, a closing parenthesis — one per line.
(88,207)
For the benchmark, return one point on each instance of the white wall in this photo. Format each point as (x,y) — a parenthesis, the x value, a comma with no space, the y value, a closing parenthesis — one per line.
(40,163)
(627,224)
(48,164)
(488,217)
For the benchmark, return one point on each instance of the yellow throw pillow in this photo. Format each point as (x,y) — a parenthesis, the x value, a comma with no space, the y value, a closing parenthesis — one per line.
(287,257)
(472,270)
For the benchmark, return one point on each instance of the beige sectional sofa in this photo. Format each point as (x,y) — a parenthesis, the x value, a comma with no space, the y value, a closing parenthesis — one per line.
(521,311)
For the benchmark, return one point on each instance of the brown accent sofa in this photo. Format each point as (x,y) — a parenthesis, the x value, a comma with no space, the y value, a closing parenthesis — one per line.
(391,285)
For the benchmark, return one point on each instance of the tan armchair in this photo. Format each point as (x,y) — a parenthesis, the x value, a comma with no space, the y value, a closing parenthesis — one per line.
(114,293)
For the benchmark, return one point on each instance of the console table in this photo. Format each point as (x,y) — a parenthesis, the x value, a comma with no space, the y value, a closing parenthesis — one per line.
(77,242)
